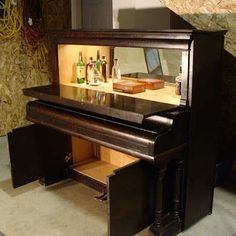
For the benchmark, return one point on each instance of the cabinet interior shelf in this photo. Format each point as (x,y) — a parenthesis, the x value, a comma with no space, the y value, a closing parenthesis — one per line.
(96,169)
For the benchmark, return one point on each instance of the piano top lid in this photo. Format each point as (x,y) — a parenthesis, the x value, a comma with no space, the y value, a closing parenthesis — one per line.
(108,104)
(131,34)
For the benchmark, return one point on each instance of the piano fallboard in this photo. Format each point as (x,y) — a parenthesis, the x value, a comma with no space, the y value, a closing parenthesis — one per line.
(136,140)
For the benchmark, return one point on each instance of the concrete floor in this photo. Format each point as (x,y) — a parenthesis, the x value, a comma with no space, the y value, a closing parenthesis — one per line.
(69,209)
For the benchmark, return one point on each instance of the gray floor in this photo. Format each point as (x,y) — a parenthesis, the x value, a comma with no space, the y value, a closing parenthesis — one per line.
(69,209)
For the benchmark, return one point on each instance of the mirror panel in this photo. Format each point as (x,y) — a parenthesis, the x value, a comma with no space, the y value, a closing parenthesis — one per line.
(135,66)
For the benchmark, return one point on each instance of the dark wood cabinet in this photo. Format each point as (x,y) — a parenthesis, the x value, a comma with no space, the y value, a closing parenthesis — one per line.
(152,155)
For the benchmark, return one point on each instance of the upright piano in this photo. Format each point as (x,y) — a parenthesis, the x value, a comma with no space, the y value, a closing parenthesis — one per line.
(152,154)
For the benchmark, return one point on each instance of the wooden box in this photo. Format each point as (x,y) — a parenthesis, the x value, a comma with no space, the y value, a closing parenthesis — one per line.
(126,86)
(152,84)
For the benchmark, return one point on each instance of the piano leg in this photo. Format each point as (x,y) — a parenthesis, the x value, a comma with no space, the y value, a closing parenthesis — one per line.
(177,189)
(168,224)
(157,224)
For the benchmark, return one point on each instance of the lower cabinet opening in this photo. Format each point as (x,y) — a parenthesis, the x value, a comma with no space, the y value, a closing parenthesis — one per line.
(93,163)
(126,183)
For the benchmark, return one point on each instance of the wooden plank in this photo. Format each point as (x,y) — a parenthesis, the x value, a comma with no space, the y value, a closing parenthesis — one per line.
(98,170)
(116,158)
(81,149)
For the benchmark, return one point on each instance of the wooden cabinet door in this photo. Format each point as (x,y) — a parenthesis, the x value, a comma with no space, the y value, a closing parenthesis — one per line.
(37,152)
(25,157)
(131,199)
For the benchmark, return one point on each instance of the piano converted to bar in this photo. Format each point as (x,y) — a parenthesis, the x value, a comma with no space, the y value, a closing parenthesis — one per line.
(150,154)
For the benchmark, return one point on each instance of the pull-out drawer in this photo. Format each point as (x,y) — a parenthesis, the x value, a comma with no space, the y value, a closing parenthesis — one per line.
(127,182)
(39,152)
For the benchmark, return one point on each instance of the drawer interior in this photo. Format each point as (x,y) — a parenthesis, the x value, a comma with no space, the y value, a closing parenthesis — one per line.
(96,161)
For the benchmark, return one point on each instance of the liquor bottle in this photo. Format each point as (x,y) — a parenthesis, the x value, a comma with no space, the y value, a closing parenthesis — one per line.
(104,68)
(89,66)
(94,75)
(80,70)
(115,72)
(98,61)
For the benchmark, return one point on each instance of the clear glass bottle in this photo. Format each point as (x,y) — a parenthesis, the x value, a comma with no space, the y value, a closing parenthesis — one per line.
(115,72)
(94,74)
(80,70)
(104,69)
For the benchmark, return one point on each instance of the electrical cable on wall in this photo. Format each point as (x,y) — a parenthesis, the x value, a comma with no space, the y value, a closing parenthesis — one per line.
(33,29)
(11,21)
(33,23)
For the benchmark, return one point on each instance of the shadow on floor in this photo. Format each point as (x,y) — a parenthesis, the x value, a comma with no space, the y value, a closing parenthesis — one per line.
(229,185)
(6,186)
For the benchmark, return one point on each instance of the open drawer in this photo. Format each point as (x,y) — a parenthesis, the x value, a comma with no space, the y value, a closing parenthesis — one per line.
(128,182)
(38,152)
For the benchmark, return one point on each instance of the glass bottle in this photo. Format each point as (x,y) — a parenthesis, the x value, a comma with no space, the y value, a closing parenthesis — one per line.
(88,69)
(80,70)
(98,61)
(115,72)
(104,68)
(94,75)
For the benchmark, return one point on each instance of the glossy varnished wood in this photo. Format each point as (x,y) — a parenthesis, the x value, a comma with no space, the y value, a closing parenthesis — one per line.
(26,163)
(37,152)
(177,189)
(112,105)
(203,122)
(111,134)
(130,198)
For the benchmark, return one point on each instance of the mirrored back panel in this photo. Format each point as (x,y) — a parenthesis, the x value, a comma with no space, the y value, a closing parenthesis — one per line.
(147,73)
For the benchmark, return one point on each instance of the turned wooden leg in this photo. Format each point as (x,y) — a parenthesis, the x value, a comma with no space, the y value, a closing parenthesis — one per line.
(177,188)
(159,199)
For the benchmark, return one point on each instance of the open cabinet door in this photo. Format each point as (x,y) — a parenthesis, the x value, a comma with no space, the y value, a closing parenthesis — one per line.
(131,199)
(25,157)
(37,152)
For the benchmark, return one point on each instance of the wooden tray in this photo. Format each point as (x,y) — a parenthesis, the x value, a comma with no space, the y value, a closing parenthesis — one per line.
(126,86)
(152,84)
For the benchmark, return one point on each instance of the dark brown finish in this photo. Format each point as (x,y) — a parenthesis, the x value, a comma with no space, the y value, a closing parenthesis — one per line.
(37,152)
(202,126)
(54,149)
(130,198)
(121,107)
(161,172)
(26,165)
(126,86)
(113,134)
(177,189)
(181,139)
